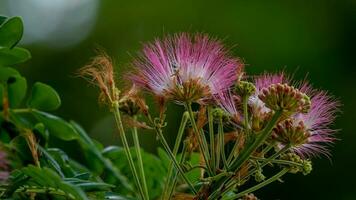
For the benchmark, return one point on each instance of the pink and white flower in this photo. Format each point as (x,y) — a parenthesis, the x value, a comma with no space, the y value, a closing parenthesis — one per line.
(186,67)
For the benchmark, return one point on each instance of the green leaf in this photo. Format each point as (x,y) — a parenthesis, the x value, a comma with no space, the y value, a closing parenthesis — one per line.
(2,19)
(57,126)
(11,32)
(6,73)
(194,175)
(44,97)
(96,156)
(47,177)
(87,185)
(50,161)
(16,90)
(13,56)
(16,86)
(153,167)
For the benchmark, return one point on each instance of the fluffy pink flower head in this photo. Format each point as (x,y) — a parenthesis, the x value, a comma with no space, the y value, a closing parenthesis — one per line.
(317,121)
(186,67)
(310,133)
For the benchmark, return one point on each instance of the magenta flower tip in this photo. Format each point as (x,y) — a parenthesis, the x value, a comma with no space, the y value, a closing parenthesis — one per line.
(186,67)
(322,114)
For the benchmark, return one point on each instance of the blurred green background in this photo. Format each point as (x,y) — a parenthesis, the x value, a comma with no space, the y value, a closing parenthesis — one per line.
(302,37)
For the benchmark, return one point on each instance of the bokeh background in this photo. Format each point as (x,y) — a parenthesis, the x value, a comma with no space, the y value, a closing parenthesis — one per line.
(301,37)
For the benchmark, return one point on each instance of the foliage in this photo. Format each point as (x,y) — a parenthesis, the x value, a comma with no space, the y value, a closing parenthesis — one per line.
(26,126)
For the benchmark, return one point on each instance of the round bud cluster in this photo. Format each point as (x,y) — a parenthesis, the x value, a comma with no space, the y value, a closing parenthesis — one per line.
(245,88)
(284,97)
(220,113)
(259,177)
(291,133)
(129,107)
(305,166)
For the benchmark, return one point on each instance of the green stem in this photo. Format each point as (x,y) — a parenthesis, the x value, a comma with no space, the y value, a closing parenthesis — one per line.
(182,126)
(211,136)
(284,149)
(200,138)
(139,158)
(260,138)
(269,159)
(267,148)
(260,185)
(232,153)
(174,181)
(172,157)
(283,162)
(221,142)
(245,108)
(120,128)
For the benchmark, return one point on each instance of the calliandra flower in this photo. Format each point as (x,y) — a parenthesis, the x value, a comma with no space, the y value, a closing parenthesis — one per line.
(186,68)
(310,133)
(4,167)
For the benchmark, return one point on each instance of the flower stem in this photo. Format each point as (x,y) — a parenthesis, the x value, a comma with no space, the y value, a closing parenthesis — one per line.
(221,143)
(139,158)
(174,181)
(260,138)
(234,148)
(211,137)
(182,126)
(269,159)
(200,138)
(170,154)
(120,128)
(282,162)
(260,185)
(245,108)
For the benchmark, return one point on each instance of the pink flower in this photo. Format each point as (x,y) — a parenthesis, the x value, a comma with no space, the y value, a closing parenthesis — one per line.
(309,134)
(186,67)
(317,122)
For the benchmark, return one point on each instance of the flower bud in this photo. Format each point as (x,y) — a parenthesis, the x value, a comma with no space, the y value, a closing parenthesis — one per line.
(286,98)
(291,133)
(305,166)
(131,103)
(245,88)
(259,177)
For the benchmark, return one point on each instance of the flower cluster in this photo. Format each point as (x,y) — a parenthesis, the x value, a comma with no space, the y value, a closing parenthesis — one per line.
(184,68)
(270,118)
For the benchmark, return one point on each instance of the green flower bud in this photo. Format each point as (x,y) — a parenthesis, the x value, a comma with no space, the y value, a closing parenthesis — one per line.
(245,88)
(259,177)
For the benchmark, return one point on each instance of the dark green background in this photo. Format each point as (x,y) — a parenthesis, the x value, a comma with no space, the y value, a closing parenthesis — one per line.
(306,37)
